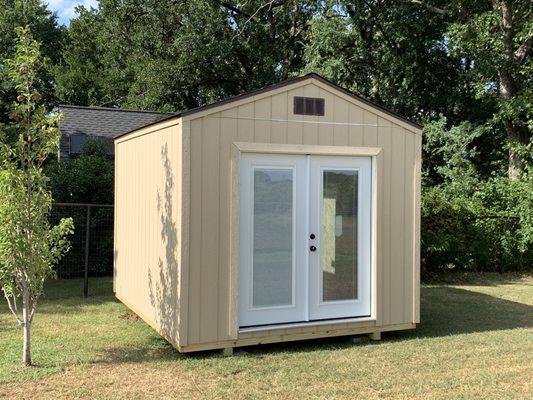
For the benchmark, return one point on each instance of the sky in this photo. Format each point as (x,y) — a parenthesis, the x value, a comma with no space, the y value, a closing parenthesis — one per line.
(65,8)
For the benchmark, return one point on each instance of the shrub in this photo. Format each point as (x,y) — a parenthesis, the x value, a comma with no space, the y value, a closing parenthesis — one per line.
(88,178)
(488,227)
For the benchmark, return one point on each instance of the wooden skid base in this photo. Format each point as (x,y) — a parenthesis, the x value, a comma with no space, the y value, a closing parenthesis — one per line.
(227,351)
(277,335)
(288,336)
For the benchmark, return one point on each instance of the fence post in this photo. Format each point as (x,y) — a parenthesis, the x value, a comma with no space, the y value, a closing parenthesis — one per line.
(87,233)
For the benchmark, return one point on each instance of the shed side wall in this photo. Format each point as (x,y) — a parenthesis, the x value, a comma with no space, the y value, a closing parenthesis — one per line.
(268,120)
(147,225)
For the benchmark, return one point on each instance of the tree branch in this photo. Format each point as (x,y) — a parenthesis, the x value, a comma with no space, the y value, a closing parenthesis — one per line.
(12,306)
(269,5)
(231,7)
(523,51)
(437,10)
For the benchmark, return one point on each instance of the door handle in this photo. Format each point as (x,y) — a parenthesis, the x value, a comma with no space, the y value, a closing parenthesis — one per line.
(312,248)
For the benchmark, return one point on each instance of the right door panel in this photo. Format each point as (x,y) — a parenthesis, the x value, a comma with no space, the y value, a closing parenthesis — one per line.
(340,222)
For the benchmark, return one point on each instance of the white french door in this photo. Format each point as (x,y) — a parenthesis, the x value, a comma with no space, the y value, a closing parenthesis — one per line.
(340,214)
(304,238)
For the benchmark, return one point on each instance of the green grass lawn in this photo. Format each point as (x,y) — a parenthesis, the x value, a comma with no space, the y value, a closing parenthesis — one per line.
(475,341)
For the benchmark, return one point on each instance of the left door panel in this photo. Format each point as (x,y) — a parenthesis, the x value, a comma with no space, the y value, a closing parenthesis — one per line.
(273,218)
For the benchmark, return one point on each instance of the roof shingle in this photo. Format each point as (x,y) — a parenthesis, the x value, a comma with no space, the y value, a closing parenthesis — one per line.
(104,122)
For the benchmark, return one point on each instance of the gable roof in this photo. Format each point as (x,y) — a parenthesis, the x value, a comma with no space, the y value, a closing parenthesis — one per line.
(102,121)
(277,86)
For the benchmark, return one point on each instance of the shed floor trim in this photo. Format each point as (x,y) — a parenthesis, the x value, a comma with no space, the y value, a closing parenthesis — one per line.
(304,324)
(292,336)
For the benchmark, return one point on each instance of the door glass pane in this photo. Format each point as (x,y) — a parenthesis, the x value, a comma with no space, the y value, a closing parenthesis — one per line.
(339,235)
(273,244)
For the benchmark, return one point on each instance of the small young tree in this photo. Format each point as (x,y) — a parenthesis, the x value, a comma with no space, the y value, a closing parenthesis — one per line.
(29,246)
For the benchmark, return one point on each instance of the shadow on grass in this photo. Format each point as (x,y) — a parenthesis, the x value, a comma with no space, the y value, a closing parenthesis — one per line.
(445,311)
(478,279)
(452,311)
(154,348)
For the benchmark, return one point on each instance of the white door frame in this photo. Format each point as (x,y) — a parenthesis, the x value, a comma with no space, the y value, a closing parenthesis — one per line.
(241,148)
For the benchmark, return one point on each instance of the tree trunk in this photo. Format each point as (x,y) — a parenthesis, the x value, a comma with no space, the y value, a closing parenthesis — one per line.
(26,351)
(515,162)
(507,87)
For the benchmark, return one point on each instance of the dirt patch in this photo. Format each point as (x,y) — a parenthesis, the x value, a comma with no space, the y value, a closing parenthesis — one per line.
(129,316)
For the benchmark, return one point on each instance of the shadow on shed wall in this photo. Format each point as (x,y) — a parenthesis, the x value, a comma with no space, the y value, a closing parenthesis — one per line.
(164,286)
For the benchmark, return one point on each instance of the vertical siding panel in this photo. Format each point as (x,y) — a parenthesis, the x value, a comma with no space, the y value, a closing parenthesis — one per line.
(341,115)
(153,269)
(210,223)
(117,216)
(125,241)
(377,235)
(128,281)
(195,229)
(147,269)
(262,128)
(184,202)
(408,224)
(133,207)
(294,129)
(416,234)
(279,112)
(295,132)
(310,129)
(245,127)
(397,219)
(228,134)
(384,141)
(356,131)
(130,285)
(370,130)
(325,131)
(136,238)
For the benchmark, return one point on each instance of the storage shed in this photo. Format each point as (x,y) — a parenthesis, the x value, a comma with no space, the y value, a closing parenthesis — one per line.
(287,213)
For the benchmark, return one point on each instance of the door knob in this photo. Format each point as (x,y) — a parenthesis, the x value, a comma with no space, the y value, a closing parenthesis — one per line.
(312,248)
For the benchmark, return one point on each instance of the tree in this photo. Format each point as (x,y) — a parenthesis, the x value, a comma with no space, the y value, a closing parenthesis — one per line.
(394,53)
(45,29)
(167,55)
(466,60)
(29,246)
(496,38)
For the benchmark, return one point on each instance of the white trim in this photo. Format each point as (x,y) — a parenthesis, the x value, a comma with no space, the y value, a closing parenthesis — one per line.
(373,237)
(306,149)
(305,324)
(307,232)
(302,121)
(246,149)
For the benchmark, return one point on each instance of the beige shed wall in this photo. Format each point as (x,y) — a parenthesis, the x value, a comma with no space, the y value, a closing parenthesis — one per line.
(264,119)
(147,224)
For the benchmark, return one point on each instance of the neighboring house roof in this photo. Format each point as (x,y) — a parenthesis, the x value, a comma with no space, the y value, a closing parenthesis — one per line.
(273,87)
(104,122)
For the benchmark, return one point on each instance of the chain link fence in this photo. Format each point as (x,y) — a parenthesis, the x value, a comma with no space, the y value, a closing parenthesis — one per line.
(91,252)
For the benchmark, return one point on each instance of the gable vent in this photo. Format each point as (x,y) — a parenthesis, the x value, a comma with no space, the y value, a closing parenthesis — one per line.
(308,106)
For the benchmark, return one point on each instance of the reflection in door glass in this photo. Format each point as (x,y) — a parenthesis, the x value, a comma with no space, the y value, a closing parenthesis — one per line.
(272,241)
(339,235)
